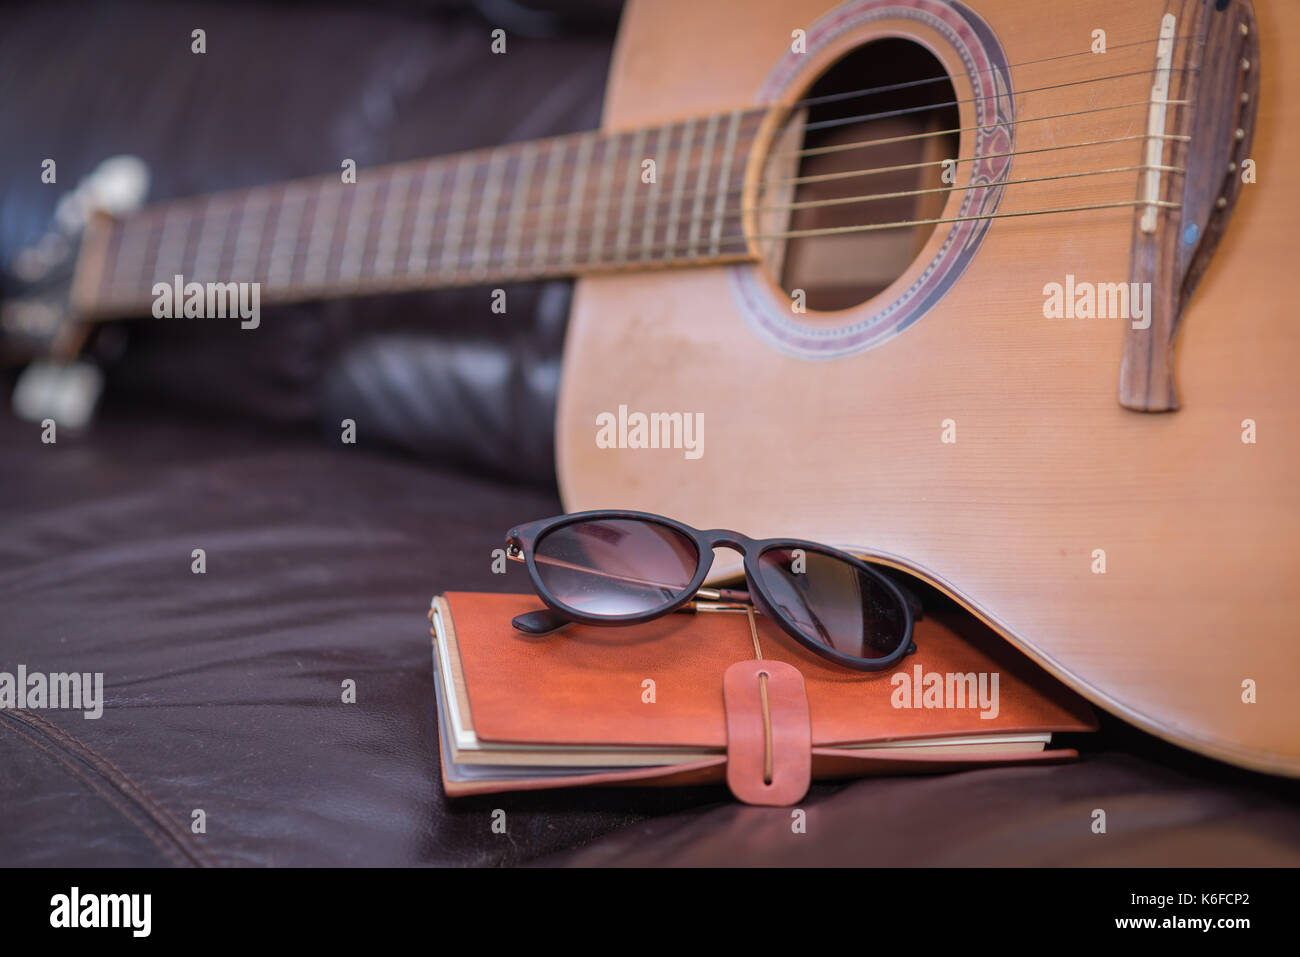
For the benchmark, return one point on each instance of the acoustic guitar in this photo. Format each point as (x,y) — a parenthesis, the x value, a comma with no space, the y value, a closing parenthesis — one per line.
(993,291)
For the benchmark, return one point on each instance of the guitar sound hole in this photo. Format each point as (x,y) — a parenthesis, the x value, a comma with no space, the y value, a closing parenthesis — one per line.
(908,124)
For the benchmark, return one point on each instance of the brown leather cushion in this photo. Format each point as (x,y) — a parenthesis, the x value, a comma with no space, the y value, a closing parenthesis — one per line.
(223,690)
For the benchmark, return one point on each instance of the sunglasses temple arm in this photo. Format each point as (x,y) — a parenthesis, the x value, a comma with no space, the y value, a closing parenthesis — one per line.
(548,621)
(918,610)
(516,555)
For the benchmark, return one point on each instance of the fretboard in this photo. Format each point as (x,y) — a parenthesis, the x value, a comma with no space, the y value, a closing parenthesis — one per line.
(566,206)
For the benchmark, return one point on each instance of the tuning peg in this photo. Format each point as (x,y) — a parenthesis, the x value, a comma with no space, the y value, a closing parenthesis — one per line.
(66,392)
(116,186)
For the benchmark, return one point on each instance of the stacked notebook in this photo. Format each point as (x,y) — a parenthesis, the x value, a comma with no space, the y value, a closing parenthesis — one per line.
(644,704)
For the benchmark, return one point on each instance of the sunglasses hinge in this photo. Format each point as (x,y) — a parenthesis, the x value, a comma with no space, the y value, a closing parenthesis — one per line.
(701,606)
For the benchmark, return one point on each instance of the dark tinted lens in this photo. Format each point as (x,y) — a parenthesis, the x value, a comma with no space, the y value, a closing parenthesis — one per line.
(834,603)
(616,566)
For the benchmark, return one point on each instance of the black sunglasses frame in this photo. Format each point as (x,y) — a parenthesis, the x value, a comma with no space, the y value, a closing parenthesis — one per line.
(522,539)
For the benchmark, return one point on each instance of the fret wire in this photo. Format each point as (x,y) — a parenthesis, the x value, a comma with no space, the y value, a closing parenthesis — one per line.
(191,241)
(113,255)
(320,244)
(492,188)
(679,182)
(420,256)
(710,132)
(246,258)
(579,186)
(549,186)
(648,227)
(394,206)
(523,182)
(132,251)
(229,236)
(633,174)
(175,248)
(108,275)
(280,269)
(357,227)
(203,272)
(602,195)
(724,181)
(459,198)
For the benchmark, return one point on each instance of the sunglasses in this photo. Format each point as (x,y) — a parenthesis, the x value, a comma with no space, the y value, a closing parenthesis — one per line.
(623,568)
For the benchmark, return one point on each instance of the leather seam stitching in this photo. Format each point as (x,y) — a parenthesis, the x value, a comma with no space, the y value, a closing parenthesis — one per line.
(165,831)
(113,800)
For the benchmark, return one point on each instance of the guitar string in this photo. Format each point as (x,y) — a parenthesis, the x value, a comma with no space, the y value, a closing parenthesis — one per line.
(889,140)
(870,197)
(706,171)
(699,247)
(466,273)
(871,171)
(891,114)
(872,227)
(869,91)
(862,118)
(462,266)
(440,208)
(466,269)
(527,236)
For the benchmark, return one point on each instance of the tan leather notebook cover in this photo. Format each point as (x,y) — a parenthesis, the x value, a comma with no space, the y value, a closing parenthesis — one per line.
(583,696)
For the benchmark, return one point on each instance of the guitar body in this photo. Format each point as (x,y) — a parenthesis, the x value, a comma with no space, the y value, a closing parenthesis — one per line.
(1149,560)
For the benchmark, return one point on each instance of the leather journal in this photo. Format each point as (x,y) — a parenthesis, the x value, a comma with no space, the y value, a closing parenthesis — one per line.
(706,697)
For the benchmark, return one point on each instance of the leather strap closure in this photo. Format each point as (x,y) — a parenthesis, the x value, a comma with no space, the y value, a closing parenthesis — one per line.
(769,733)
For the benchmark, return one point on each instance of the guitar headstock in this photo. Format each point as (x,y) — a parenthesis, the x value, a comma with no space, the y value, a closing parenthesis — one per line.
(37,312)
(39,323)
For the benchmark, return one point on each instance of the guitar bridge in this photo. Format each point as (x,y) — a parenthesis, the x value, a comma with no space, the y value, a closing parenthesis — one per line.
(1219,76)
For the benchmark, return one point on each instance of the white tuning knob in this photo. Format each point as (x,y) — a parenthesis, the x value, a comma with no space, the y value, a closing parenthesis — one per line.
(117,185)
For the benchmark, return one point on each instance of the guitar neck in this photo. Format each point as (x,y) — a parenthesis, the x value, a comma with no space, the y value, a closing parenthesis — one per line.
(662,196)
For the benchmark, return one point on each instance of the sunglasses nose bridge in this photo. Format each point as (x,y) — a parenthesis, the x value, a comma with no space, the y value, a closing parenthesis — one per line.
(725,538)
